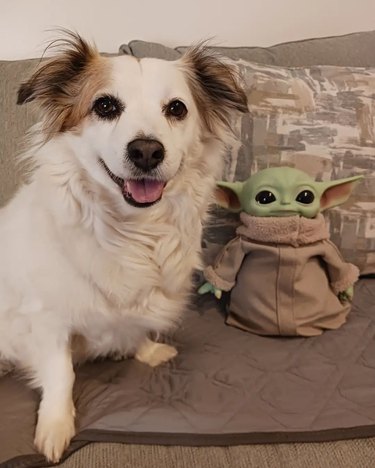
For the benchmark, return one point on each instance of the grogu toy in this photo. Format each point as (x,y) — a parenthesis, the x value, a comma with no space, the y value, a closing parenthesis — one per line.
(285,276)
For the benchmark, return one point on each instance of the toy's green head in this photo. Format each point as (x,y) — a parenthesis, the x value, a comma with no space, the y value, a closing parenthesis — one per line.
(284,191)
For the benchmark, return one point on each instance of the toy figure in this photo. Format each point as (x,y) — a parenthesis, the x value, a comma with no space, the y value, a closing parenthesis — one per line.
(285,276)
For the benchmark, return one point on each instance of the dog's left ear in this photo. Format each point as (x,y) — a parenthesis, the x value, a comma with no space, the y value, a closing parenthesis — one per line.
(215,86)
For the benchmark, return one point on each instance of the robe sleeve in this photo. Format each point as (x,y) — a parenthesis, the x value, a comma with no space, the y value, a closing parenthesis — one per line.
(341,274)
(222,274)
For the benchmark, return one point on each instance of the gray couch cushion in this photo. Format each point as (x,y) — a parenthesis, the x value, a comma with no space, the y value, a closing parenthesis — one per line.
(355,50)
(142,49)
(14,122)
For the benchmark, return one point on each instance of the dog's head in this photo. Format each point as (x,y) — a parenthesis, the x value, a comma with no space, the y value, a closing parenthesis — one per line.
(133,123)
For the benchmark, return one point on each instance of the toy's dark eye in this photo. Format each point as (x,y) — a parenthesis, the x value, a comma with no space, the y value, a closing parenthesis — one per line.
(107,107)
(264,197)
(306,197)
(176,109)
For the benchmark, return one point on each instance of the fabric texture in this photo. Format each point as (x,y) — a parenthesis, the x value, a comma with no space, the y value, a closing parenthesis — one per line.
(284,276)
(143,49)
(14,123)
(225,387)
(349,454)
(355,50)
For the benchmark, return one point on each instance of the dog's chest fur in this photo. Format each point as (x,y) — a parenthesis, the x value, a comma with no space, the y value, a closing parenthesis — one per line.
(142,285)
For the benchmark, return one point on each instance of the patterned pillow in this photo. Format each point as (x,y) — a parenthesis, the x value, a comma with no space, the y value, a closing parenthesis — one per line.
(320,120)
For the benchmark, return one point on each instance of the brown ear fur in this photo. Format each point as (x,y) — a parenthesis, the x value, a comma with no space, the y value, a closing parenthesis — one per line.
(64,85)
(215,87)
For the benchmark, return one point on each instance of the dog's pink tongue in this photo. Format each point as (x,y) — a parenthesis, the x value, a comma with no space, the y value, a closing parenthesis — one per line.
(144,191)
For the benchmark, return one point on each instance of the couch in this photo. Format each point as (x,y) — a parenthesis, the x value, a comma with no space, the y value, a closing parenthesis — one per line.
(267,72)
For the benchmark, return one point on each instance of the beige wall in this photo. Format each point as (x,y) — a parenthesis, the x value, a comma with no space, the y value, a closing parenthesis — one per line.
(24,23)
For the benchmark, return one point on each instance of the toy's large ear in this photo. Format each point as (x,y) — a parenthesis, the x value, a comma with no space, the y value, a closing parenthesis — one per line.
(227,195)
(336,192)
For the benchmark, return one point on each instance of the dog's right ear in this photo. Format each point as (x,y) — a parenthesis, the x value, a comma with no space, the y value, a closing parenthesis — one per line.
(24,94)
(52,78)
(215,86)
(63,85)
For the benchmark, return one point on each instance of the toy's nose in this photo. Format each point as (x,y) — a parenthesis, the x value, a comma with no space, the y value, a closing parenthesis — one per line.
(285,200)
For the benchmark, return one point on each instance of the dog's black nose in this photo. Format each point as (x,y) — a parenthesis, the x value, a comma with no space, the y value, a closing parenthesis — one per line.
(146,154)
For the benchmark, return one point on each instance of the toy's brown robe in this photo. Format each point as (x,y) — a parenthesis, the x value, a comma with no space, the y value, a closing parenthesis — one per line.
(285,275)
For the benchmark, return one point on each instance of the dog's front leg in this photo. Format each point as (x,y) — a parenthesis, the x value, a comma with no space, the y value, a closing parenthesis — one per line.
(55,426)
(153,354)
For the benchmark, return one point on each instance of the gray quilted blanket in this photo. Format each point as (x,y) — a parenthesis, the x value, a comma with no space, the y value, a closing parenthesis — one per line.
(225,387)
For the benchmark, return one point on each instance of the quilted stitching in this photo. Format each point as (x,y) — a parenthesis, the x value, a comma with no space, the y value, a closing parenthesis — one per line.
(224,382)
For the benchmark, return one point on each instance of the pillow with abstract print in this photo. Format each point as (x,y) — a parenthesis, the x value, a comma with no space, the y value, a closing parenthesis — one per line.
(320,120)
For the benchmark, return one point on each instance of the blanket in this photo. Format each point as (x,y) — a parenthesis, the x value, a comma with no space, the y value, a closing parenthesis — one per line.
(226,386)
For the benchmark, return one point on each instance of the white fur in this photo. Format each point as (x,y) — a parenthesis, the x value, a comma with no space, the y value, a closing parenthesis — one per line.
(77,260)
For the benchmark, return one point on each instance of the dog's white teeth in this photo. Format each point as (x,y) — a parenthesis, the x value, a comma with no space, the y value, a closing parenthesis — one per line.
(144,191)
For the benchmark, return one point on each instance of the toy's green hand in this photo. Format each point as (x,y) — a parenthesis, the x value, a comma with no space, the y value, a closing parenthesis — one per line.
(208,287)
(347,295)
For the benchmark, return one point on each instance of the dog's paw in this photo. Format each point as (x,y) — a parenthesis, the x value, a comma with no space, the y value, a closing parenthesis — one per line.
(155,354)
(53,434)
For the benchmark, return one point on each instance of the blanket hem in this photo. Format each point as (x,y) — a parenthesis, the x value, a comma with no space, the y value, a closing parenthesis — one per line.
(201,440)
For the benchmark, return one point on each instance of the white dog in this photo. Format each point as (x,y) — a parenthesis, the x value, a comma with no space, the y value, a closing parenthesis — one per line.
(98,249)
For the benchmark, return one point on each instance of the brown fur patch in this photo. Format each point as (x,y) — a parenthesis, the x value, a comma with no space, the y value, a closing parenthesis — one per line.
(215,87)
(63,87)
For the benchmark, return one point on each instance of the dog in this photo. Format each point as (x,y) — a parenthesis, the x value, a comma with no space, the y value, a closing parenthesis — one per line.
(97,249)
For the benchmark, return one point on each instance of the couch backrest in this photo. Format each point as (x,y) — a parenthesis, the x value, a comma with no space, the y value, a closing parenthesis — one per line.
(353,50)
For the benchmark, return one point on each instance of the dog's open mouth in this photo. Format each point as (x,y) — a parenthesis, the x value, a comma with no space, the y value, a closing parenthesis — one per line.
(138,192)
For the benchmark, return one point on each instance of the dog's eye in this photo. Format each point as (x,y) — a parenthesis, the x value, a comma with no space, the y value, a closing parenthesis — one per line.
(306,197)
(176,109)
(107,107)
(264,197)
